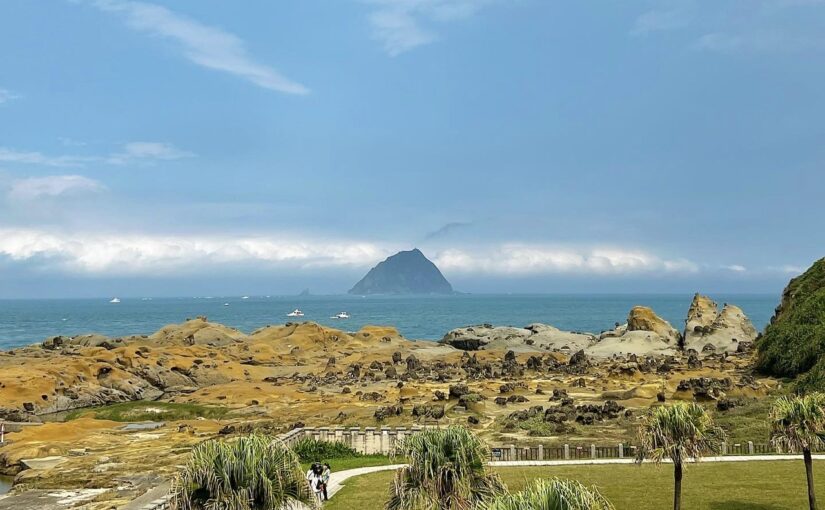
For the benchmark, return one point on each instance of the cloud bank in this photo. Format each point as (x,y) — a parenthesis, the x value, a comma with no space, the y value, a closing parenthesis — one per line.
(137,254)
(129,153)
(206,46)
(524,259)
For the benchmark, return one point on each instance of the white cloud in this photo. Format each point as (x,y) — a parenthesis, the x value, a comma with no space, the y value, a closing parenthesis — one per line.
(736,268)
(7,95)
(52,186)
(36,158)
(398,24)
(135,254)
(129,153)
(521,259)
(675,16)
(147,151)
(206,46)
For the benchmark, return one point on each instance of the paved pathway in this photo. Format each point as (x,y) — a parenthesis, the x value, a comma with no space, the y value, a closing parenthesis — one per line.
(149,496)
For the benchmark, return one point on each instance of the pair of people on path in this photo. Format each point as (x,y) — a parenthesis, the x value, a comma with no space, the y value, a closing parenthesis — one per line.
(318,478)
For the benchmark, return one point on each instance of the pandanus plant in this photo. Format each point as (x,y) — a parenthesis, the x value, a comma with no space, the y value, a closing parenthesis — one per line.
(553,494)
(251,473)
(446,470)
(798,425)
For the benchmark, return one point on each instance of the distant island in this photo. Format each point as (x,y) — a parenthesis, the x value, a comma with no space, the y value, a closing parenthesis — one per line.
(406,272)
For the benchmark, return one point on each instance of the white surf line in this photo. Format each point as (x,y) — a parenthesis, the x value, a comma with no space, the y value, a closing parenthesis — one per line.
(337,479)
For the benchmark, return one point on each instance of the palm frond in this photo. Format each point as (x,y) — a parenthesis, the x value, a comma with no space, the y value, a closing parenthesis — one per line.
(680,431)
(798,422)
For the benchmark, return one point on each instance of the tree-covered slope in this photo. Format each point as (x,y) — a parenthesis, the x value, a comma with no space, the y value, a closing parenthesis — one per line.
(794,342)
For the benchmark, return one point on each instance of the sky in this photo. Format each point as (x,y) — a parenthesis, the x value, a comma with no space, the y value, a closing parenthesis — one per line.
(183,148)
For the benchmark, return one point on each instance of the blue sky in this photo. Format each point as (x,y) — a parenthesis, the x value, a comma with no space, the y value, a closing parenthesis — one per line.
(174,148)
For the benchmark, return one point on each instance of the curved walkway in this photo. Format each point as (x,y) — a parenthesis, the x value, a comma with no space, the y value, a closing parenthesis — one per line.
(336,480)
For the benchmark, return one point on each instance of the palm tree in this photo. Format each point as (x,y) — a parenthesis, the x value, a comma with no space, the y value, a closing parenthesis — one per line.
(252,473)
(447,470)
(553,494)
(680,432)
(798,424)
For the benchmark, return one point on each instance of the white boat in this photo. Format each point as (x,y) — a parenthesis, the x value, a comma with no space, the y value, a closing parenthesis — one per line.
(115,300)
(342,315)
(245,297)
(226,304)
(295,313)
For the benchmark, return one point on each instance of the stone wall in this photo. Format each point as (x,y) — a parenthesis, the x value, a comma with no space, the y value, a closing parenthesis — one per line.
(369,440)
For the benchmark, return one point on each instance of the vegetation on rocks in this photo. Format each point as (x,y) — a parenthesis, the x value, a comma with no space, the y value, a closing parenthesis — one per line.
(150,411)
(794,343)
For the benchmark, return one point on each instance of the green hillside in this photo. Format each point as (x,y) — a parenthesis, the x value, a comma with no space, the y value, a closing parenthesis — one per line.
(794,343)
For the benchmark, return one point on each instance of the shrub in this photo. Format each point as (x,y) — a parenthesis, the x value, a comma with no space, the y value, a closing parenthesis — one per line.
(310,450)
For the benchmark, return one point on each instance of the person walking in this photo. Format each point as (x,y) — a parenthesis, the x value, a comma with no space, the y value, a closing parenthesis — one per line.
(314,479)
(325,474)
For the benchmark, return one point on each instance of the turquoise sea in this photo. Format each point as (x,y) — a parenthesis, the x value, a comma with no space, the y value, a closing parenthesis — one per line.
(421,317)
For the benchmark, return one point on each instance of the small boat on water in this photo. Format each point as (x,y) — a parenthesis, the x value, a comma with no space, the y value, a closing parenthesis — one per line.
(245,297)
(115,300)
(295,313)
(342,315)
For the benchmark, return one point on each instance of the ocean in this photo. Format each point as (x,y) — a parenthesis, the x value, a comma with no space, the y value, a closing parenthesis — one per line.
(25,322)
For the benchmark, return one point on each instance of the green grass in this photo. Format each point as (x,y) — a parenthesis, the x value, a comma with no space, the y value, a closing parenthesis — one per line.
(355,462)
(748,422)
(150,411)
(773,485)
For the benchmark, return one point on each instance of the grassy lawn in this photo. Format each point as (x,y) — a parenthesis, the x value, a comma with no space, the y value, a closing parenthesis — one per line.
(150,411)
(774,485)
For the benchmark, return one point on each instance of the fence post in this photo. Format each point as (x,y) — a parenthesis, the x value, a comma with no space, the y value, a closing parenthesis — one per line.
(592,451)
(567,452)
(621,450)
(724,448)
(541,452)
(750,447)
(513,455)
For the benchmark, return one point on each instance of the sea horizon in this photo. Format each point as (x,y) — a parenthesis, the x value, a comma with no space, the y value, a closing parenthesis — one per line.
(420,317)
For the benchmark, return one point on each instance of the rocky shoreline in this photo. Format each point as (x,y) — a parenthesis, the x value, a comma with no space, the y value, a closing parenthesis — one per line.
(507,383)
